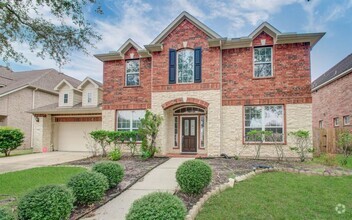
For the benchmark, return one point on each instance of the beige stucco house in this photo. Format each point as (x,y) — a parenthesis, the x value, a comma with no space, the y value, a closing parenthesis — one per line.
(65,124)
(23,91)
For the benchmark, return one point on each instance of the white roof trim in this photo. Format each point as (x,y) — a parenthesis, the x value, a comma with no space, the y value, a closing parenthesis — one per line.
(14,90)
(178,20)
(127,45)
(88,79)
(268,28)
(64,81)
(348,71)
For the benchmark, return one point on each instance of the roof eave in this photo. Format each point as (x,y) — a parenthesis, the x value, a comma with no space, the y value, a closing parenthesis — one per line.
(154,47)
(348,71)
(66,111)
(312,38)
(109,56)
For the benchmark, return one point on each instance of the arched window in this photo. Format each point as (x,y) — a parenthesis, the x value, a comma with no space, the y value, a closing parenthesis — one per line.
(185,66)
(189,110)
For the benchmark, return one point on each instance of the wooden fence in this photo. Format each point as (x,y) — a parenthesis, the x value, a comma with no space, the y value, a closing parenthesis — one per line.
(325,140)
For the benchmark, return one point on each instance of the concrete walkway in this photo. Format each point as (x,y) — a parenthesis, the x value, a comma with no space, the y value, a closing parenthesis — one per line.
(161,179)
(22,162)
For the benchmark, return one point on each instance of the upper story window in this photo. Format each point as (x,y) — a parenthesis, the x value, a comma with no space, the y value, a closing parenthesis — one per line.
(346,120)
(185,66)
(321,124)
(89,97)
(336,122)
(65,98)
(265,118)
(132,72)
(263,62)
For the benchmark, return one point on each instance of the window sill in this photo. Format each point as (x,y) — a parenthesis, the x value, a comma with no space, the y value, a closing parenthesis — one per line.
(137,86)
(259,78)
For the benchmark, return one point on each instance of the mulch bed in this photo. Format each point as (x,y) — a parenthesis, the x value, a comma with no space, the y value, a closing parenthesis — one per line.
(135,169)
(223,169)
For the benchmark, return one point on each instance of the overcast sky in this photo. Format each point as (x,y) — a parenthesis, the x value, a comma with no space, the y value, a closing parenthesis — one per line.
(144,20)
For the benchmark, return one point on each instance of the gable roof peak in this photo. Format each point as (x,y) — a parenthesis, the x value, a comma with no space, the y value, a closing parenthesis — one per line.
(267,28)
(96,84)
(127,45)
(185,15)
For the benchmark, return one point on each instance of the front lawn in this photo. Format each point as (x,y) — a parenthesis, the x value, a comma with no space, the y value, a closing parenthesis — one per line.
(332,160)
(15,184)
(18,152)
(282,196)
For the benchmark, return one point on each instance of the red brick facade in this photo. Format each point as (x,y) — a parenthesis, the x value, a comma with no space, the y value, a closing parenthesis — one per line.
(331,101)
(290,82)
(119,96)
(186,32)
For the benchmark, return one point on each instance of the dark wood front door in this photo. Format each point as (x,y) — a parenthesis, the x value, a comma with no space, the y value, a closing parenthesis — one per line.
(189,134)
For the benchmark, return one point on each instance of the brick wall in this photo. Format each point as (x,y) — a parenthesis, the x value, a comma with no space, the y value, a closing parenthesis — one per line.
(333,100)
(118,96)
(186,32)
(290,83)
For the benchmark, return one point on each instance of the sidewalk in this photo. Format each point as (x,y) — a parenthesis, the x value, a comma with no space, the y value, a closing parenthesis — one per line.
(162,178)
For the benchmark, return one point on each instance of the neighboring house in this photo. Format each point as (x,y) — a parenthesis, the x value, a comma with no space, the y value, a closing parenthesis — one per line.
(23,91)
(65,124)
(209,89)
(332,96)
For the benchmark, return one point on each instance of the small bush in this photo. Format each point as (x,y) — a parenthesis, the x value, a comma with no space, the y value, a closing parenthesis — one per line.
(158,205)
(10,139)
(88,187)
(193,176)
(114,172)
(6,214)
(52,202)
(115,154)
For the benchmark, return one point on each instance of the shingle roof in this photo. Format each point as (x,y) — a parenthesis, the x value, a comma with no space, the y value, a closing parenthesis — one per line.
(6,75)
(45,79)
(54,108)
(334,72)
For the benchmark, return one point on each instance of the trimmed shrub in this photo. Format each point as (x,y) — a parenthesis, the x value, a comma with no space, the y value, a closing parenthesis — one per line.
(88,187)
(6,214)
(158,205)
(114,172)
(115,154)
(52,202)
(10,139)
(193,176)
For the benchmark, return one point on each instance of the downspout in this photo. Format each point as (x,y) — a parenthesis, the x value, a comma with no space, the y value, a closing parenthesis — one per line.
(33,106)
(221,112)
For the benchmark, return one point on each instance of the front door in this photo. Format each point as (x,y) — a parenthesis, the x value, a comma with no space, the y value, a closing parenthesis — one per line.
(189,134)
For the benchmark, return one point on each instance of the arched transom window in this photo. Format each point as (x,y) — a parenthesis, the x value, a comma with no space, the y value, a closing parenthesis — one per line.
(189,110)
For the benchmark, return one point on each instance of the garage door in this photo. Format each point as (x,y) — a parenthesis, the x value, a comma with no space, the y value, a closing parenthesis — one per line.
(71,136)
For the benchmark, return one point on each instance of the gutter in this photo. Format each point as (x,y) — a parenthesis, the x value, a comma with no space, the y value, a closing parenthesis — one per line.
(332,80)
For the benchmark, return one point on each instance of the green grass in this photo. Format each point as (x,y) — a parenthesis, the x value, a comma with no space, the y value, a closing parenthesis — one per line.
(324,159)
(16,184)
(282,196)
(18,152)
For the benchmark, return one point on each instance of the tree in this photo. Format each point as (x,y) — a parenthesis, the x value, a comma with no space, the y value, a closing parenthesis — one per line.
(10,139)
(63,30)
(148,130)
(344,142)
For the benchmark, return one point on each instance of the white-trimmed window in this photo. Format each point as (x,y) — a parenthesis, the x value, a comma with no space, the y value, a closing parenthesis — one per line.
(265,118)
(185,66)
(132,72)
(346,120)
(89,97)
(263,66)
(336,122)
(129,120)
(65,98)
(321,124)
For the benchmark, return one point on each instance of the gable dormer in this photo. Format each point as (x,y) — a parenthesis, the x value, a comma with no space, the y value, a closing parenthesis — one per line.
(91,92)
(68,94)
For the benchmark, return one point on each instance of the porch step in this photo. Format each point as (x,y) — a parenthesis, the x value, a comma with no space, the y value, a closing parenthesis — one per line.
(186,155)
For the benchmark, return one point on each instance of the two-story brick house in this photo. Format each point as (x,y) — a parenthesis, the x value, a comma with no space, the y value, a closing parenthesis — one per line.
(211,90)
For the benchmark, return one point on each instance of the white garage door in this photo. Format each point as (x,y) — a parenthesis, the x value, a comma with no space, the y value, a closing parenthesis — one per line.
(70,136)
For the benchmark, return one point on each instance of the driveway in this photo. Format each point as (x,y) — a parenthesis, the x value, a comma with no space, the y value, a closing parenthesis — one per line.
(15,163)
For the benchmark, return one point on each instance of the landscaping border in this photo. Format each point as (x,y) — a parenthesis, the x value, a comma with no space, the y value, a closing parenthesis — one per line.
(193,212)
(119,193)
